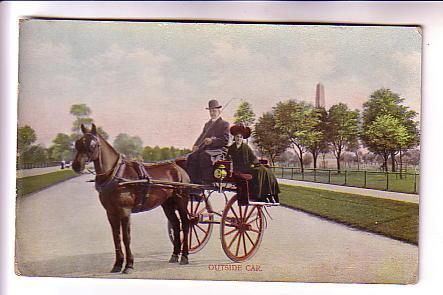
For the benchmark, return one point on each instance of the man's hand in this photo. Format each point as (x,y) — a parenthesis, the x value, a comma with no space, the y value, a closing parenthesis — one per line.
(208,141)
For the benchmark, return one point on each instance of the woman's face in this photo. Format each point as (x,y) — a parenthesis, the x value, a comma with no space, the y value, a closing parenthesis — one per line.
(238,138)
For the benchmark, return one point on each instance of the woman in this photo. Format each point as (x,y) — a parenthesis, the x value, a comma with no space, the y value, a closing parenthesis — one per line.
(264,186)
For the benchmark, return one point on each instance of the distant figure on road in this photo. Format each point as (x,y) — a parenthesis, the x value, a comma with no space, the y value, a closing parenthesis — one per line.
(209,147)
(62,163)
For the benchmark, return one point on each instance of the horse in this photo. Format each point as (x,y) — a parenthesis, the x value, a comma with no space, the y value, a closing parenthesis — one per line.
(120,201)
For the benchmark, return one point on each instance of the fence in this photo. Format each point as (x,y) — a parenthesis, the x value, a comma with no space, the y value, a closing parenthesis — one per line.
(404,182)
(20,166)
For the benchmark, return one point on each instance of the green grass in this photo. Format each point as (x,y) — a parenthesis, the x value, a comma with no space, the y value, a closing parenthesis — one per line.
(374,180)
(30,184)
(395,219)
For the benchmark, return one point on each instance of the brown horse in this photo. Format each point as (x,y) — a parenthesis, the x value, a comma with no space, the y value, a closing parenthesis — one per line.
(120,201)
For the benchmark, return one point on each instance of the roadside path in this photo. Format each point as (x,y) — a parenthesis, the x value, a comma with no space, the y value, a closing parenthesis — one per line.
(411,198)
(36,171)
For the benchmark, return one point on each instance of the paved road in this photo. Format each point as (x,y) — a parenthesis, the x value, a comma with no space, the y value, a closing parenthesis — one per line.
(63,231)
(411,198)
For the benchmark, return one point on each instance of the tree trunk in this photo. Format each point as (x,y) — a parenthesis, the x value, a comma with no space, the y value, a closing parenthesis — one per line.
(393,162)
(338,164)
(314,157)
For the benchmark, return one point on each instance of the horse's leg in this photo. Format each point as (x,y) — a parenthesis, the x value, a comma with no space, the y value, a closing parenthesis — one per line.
(182,204)
(115,224)
(173,219)
(126,229)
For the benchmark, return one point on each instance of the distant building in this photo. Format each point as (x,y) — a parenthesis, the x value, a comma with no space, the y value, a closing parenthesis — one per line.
(320,96)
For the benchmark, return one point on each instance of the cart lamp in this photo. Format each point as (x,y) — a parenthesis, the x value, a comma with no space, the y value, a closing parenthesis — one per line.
(220,172)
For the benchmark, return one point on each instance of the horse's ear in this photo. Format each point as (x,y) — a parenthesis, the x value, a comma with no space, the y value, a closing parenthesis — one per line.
(83,128)
(94,129)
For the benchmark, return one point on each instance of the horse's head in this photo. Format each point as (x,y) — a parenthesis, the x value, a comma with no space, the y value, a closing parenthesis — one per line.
(87,147)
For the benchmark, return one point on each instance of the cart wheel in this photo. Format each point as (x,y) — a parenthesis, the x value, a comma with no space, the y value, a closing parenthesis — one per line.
(241,230)
(200,226)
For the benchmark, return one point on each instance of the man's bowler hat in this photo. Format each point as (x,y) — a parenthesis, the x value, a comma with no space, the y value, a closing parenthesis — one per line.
(213,104)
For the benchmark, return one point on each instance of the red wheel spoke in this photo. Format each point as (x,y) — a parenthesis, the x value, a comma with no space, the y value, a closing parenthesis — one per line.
(238,245)
(250,213)
(258,217)
(250,240)
(244,243)
(233,239)
(254,230)
(230,232)
(235,214)
(246,211)
(196,207)
(196,235)
(202,229)
(240,211)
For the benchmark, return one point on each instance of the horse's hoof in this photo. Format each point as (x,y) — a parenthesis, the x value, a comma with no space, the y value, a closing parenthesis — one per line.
(173,259)
(184,260)
(116,269)
(128,270)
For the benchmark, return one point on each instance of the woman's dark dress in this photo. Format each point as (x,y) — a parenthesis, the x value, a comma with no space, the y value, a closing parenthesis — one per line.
(264,183)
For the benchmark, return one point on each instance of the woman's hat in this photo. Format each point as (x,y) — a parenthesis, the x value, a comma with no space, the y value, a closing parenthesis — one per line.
(243,130)
(213,104)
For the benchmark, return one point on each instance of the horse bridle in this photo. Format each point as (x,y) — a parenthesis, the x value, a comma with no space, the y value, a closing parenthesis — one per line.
(95,153)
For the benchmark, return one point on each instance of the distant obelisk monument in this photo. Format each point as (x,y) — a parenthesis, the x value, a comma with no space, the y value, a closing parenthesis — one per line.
(320,96)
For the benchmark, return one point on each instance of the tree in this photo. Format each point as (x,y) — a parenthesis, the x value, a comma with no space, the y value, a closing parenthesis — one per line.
(386,134)
(385,102)
(35,154)
(131,146)
(244,114)
(342,129)
(319,143)
(268,139)
(81,113)
(297,121)
(62,148)
(25,137)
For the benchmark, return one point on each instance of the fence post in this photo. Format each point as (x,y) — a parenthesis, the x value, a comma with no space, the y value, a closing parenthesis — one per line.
(282,172)
(302,174)
(387,180)
(292,172)
(315,175)
(415,183)
(365,179)
(329,176)
(346,176)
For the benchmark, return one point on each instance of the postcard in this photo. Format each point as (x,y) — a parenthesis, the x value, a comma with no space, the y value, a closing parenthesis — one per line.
(234,151)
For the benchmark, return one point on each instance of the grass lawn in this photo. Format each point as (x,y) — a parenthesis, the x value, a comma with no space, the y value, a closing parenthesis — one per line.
(395,219)
(30,184)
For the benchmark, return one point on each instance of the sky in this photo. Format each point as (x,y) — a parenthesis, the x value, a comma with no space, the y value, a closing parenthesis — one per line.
(154,80)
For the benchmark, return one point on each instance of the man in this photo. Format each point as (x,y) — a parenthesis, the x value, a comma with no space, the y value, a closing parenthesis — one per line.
(209,147)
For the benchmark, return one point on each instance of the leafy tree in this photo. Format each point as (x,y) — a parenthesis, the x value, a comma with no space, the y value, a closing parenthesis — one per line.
(131,146)
(386,134)
(62,148)
(25,137)
(342,129)
(81,113)
(319,143)
(268,139)
(35,154)
(244,114)
(298,121)
(385,102)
